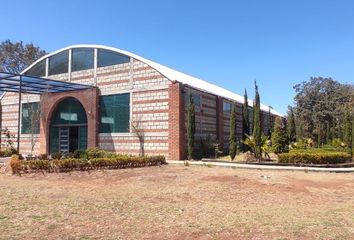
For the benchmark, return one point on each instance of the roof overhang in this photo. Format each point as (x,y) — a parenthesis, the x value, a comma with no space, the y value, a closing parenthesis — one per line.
(12,82)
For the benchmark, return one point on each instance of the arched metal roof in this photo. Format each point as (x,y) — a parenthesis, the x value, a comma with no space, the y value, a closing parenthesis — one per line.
(169,73)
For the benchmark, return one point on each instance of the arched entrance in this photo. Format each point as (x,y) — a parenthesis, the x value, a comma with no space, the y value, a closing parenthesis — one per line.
(68,127)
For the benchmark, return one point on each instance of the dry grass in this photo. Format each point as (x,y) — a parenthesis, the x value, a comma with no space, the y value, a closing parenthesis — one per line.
(177,202)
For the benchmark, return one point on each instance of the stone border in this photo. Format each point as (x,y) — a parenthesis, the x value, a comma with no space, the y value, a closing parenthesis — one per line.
(262,167)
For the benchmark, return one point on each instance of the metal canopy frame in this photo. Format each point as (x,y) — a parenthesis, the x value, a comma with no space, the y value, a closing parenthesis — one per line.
(12,82)
(20,83)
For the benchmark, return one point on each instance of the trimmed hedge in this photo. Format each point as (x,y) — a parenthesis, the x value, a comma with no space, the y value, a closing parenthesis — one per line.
(70,164)
(319,150)
(314,157)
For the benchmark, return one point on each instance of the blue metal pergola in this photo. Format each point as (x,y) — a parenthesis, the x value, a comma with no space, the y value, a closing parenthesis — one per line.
(20,83)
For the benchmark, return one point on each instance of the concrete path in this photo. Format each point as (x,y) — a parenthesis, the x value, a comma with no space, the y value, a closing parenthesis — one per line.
(263,167)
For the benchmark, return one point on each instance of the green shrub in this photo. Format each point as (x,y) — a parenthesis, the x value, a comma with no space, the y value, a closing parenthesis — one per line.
(302,144)
(95,153)
(319,150)
(314,157)
(56,156)
(43,156)
(8,152)
(80,154)
(337,143)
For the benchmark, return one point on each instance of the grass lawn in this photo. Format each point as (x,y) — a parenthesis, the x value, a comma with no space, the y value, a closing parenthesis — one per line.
(177,202)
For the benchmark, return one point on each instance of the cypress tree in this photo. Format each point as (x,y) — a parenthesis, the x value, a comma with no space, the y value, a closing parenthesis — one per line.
(270,122)
(232,139)
(292,127)
(245,122)
(191,126)
(257,131)
(279,137)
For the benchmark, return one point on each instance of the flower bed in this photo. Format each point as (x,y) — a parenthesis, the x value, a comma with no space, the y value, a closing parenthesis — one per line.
(70,164)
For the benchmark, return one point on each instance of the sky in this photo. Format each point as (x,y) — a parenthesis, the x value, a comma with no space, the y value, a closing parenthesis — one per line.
(229,43)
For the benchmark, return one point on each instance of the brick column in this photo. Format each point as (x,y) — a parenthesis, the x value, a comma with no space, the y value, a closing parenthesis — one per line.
(49,101)
(220,121)
(176,122)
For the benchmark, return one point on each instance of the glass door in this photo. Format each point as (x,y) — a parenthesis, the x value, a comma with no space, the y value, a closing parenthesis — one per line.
(64,138)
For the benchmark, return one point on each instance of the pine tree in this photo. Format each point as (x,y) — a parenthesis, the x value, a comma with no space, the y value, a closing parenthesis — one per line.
(279,137)
(232,139)
(191,126)
(245,122)
(257,129)
(292,126)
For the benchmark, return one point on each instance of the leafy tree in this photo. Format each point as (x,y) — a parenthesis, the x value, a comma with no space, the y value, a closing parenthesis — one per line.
(318,101)
(245,121)
(16,56)
(232,139)
(257,129)
(191,126)
(291,125)
(280,137)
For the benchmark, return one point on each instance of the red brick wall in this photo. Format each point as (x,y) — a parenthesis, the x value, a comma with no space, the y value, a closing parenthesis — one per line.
(176,123)
(220,122)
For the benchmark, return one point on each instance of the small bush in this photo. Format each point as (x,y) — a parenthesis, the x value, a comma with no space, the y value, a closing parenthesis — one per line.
(43,156)
(15,164)
(95,153)
(314,157)
(56,156)
(8,152)
(80,154)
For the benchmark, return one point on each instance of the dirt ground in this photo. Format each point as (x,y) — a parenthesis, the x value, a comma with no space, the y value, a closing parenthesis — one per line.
(177,202)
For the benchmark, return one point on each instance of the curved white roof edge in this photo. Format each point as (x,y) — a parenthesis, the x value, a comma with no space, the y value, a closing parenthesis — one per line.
(2,94)
(169,73)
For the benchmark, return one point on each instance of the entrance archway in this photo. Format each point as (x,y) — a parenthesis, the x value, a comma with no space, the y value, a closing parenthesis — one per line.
(68,127)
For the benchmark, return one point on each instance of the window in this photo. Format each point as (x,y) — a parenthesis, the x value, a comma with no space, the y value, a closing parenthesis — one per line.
(37,70)
(82,59)
(227,107)
(30,118)
(108,58)
(69,112)
(58,63)
(115,113)
(196,99)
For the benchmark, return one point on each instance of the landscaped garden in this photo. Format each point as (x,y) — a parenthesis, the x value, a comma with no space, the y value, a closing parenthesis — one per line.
(318,131)
(177,202)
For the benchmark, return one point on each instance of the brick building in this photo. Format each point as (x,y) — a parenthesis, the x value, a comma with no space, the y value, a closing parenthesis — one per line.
(127,90)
